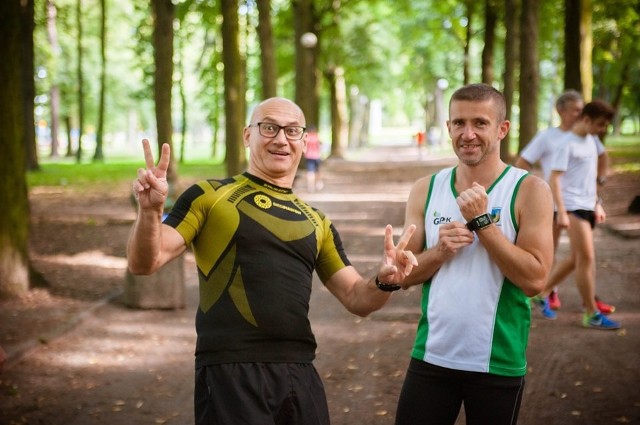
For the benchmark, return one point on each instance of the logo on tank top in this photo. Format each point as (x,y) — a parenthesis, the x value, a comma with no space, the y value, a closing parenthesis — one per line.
(438,219)
(496,212)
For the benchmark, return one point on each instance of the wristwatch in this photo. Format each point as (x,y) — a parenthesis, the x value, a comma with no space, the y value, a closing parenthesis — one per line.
(387,287)
(479,222)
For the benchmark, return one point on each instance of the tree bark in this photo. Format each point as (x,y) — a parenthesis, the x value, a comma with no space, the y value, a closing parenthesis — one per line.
(234,100)
(529,74)
(572,70)
(339,115)
(511,54)
(54,92)
(14,214)
(164,13)
(586,50)
(99,154)
(28,83)
(268,69)
(79,76)
(306,64)
(490,21)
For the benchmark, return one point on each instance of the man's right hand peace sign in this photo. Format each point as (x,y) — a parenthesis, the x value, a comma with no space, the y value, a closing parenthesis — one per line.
(151,187)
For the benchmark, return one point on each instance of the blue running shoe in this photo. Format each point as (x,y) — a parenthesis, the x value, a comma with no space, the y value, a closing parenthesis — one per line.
(599,321)
(543,307)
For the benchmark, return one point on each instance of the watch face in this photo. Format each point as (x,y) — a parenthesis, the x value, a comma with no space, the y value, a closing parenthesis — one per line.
(484,220)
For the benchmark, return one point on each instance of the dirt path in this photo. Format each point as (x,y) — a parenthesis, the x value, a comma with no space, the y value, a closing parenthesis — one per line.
(78,356)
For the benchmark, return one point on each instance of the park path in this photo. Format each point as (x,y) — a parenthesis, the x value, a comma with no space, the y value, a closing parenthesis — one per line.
(117,365)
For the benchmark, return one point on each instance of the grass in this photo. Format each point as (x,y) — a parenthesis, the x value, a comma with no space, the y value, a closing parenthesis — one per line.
(624,152)
(109,174)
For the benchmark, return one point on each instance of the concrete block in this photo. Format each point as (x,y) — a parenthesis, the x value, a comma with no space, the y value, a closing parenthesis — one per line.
(164,289)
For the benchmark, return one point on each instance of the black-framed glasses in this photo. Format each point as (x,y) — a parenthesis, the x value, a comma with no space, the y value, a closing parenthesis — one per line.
(268,129)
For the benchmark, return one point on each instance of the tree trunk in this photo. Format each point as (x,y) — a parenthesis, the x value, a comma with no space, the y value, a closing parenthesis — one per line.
(511,54)
(183,98)
(14,214)
(490,21)
(54,93)
(163,14)
(268,67)
(234,104)
(307,93)
(529,75)
(467,42)
(586,49)
(339,115)
(99,154)
(572,69)
(28,84)
(80,81)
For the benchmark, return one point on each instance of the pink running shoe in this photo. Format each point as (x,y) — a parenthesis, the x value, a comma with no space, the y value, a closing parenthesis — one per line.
(554,301)
(603,307)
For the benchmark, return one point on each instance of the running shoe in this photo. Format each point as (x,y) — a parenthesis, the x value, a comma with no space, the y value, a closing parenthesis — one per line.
(603,307)
(542,305)
(599,321)
(554,301)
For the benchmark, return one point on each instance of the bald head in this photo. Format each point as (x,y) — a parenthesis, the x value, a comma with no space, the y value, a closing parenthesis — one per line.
(279,104)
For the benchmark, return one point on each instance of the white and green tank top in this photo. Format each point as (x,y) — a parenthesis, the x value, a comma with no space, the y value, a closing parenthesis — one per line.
(473,318)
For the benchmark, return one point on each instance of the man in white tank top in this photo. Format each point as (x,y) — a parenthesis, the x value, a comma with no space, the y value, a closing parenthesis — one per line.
(484,233)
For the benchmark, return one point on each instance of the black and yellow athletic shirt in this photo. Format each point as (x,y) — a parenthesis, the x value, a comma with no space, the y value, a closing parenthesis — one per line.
(256,246)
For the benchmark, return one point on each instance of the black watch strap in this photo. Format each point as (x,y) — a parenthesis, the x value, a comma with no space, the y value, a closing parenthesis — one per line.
(387,287)
(479,222)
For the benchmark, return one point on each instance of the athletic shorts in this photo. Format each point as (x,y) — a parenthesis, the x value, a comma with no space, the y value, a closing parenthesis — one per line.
(434,395)
(587,215)
(260,393)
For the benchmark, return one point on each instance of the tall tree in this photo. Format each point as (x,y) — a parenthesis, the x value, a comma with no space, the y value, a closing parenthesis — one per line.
(511,54)
(163,16)
(490,22)
(28,83)
(339,114)
(14,214)
(572,68)
(586,50)
(306,62)
(99,153)
(54,91)
(529,74)
(80,78)
(234,100)
(469,9)
(268,70)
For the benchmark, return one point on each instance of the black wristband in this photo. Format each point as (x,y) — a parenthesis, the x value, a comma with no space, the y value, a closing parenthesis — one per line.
(387,287)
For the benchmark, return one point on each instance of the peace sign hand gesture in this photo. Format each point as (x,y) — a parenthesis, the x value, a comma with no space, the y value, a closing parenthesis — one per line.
(151,187)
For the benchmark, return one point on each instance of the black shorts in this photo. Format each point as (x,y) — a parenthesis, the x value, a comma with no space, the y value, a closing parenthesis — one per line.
(588,215)
(260,393)
(434,395)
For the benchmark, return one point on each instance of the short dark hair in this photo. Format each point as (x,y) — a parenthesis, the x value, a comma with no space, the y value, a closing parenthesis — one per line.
(598,109)
(570,95)
(480,93)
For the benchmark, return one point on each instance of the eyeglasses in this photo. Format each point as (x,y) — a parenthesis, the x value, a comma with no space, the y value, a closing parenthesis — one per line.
(291,132)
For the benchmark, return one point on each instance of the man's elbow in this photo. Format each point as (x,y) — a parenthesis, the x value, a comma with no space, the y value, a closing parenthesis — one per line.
(535,287)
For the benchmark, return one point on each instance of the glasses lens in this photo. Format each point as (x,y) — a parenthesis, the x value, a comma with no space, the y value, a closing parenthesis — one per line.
(293,133)
(268,130)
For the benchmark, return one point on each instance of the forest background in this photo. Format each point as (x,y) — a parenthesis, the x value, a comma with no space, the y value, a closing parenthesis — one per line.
(83,81)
